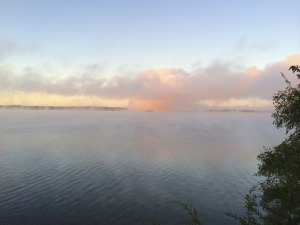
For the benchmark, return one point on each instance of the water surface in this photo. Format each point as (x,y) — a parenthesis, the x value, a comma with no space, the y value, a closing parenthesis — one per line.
(93,167)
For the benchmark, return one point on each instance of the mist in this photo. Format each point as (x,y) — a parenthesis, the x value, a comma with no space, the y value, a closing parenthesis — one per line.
(219,84)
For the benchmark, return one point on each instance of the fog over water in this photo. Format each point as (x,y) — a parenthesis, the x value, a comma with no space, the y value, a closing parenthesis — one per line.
(122,167)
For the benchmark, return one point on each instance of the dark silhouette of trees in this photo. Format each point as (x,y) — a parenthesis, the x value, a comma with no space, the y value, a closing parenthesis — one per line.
(276,200)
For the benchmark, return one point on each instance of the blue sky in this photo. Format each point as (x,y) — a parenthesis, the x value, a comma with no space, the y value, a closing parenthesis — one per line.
(153,33)
(62,37)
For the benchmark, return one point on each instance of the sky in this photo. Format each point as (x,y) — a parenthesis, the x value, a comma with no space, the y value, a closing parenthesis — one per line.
(148,55)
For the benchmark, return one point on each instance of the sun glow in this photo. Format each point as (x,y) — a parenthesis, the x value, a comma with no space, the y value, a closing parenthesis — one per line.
(233,102)
(42,99)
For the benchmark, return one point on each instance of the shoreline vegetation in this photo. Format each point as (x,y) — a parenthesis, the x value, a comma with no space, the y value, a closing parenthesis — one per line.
(108,108)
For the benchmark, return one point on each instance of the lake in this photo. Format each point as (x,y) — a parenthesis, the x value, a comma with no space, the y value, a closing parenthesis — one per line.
(122,167)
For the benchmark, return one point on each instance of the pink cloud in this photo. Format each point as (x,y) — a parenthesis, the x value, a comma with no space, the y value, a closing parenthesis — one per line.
(162,89)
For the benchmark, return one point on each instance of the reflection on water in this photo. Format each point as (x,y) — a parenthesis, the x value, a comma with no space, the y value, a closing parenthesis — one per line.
(68,167)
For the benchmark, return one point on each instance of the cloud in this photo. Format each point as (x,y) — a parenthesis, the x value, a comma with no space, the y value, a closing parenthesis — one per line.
(219,84)
(7,46)
(244,44)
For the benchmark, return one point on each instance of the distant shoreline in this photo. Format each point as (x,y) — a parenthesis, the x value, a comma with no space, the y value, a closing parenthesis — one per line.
(99,108)
(107,108)
(239,110)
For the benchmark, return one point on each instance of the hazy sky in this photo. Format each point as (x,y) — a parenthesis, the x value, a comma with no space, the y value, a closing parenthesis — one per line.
(146,54)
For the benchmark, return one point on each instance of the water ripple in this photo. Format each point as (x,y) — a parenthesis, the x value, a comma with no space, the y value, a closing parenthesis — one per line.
(125,169)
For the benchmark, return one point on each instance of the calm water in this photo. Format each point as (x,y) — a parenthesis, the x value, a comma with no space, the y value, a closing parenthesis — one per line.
(91,167)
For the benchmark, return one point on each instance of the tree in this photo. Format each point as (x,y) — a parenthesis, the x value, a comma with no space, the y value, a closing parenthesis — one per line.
(252,213)
(278,201)
(287,105)
(280,197)
(280,165)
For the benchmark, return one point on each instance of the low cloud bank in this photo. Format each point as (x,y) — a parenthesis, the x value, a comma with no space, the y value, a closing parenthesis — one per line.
(217,85)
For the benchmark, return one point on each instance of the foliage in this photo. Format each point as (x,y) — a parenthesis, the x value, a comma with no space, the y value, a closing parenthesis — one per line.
(279,198)
(281,190)
(287,105)
(194,218)
(251,210)
(192,213)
